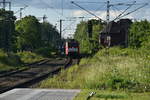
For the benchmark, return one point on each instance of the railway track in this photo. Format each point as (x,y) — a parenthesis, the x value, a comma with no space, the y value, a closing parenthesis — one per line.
(11,72)
(33,75)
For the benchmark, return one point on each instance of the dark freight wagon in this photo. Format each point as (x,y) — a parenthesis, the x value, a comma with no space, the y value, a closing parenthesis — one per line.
(115,33)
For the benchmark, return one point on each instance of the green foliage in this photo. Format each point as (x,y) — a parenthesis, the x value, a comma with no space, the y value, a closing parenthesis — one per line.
(45,51)
(29,33)
(140,35)
(49,34)
(114,69)
(15,61)
(29,57)
(88,45)
(10,59)
(7,30)
(35,36)
(81,36)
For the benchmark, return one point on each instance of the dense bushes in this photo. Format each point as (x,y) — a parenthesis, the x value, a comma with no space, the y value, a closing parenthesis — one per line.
(9,58)
(140,35)
(88,45)
(26,34)
(29,57)
(12,61)
(45,51)
(9,61)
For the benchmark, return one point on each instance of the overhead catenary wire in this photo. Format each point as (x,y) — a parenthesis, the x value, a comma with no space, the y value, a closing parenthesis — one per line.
(87,11)
(21,9)
(125,10)
(90,2)
(134,10)
(108,8)
(19,4)
(54,10)
(115,11)
(69,25)
(125,4)
(99,8)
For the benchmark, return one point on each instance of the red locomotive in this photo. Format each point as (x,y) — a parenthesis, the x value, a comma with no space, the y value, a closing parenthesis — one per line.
(72,48)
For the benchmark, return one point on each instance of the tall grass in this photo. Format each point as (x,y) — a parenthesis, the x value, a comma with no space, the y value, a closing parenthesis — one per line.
(111,69)
(12,61)
(9,61)
(29,57)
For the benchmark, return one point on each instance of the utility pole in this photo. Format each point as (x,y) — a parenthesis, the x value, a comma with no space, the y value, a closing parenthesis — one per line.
(9,5)
(61,22)
(61,28)
(107,16)
(44,18)
(4,2)
(20,11)
(81,18)
(123,13)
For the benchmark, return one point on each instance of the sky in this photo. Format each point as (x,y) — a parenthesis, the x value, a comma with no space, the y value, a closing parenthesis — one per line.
(72,15)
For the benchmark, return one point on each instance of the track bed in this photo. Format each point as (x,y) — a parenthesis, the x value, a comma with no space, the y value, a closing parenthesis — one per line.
(35,73)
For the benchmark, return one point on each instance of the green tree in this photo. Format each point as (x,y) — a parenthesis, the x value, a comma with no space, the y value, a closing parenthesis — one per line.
(7,29)
(81,36)
(140,34)
(50,35)
(88,45)
(29,33)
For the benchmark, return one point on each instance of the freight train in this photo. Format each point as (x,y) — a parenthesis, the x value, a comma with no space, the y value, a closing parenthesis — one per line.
(115,33)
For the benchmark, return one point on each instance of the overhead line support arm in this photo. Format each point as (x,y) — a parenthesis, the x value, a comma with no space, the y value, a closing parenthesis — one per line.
(86,10)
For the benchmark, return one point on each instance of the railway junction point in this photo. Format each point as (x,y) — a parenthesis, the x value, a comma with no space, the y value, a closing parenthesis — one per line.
(39,94)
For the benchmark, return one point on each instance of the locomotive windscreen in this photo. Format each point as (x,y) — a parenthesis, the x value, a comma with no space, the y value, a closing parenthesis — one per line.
(73,44)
